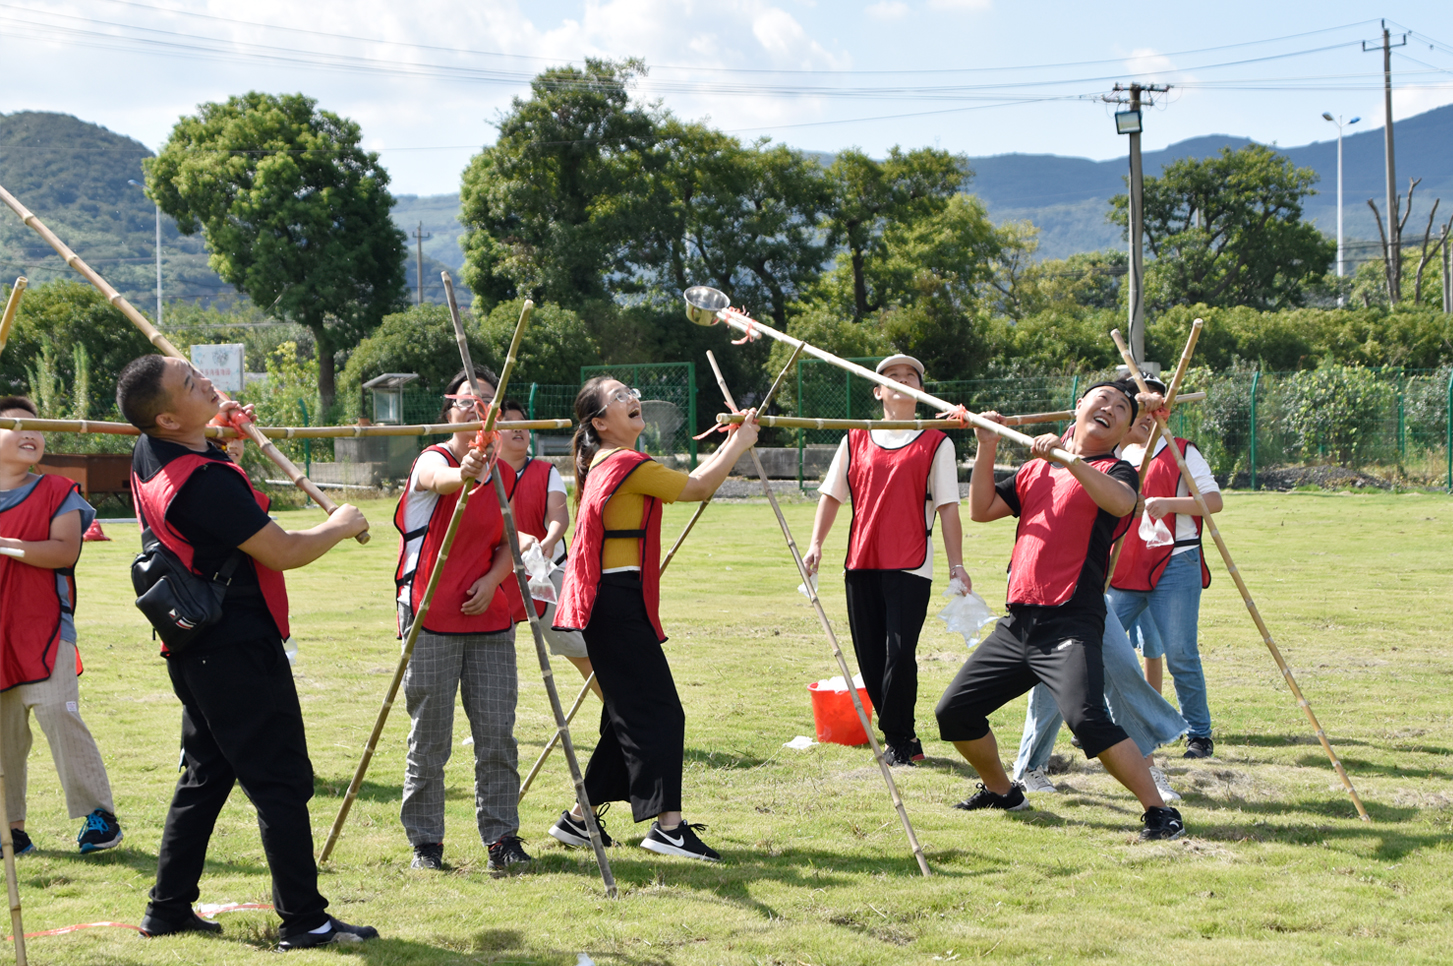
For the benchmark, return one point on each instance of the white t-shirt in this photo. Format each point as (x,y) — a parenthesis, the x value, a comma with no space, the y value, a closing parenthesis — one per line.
(418,510)
(557,485)
(1200,471)
(943,479)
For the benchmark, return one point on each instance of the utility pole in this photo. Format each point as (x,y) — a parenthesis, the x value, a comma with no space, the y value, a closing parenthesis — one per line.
(1128,122)
(420,238)
(1393,266)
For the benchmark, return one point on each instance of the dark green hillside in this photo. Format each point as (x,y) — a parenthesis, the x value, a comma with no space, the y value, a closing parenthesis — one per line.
(74,175)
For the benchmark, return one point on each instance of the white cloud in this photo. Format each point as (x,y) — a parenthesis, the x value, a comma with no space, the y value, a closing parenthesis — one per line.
(887,10)
(959,4)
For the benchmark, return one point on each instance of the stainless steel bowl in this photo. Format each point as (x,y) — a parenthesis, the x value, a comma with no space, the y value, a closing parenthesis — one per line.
(703,303)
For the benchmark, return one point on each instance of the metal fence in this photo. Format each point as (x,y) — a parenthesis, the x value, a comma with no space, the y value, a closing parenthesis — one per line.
(668,405)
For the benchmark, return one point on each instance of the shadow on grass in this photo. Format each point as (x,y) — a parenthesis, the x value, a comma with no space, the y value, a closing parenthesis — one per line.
(722,758)
(1282,741)
(137,859)
(369,791)
(1361,766)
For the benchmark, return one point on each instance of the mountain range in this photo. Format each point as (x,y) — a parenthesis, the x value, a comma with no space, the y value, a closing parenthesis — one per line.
(76,177)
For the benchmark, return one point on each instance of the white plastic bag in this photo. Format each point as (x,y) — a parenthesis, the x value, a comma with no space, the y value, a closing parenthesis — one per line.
(968,615)
(837,683)
(1154,532)
(539,570)
(802,589)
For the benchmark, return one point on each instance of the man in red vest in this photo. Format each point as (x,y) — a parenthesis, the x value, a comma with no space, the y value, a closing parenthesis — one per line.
(241,721)
(897,480)
(42,517)
(1069,516)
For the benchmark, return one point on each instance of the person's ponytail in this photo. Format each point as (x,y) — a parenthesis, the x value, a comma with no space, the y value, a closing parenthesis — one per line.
(586,442)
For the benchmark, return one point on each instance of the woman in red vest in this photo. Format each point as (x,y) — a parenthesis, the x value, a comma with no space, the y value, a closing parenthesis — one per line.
(612,595)
(542,514)
(467,643)
(897,480)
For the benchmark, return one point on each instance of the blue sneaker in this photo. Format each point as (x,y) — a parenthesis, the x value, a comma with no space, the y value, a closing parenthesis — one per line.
(101,831)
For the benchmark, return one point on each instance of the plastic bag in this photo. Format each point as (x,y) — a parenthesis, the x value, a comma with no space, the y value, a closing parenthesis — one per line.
(968,615)
(1154,532)
(836,683)
(539,570)
(802,589)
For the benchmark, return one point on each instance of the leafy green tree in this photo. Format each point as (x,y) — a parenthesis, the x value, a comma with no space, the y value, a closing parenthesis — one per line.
(1228,230)
(67,316)
(295,213)
(541,204)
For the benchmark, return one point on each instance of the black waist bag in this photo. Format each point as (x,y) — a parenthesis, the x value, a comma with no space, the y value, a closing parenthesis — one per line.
(178,603)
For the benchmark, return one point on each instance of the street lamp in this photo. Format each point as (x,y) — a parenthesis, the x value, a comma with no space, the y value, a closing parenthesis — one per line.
(1338,121)
(158,253)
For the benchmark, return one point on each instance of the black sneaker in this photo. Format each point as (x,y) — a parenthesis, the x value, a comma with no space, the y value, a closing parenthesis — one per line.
(430,855)
(508,851)
(20,842)
(569,830)
(1012,801)
(1198,747)
(154,925)
(101,831)
(680,840)
(902,751)
(1161,824)
(338,932)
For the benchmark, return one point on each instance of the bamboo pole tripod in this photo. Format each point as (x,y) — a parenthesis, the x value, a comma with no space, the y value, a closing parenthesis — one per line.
(12,305)
(163,345)
(1210,524)
(12,883)
(562,726)
(665,562)
(1172,395)
(837,651)
(417,625)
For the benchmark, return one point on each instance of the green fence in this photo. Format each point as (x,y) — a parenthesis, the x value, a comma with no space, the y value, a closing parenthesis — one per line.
(668,404)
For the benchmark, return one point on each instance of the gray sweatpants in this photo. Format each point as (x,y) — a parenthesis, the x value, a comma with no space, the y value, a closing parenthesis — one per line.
(481,667)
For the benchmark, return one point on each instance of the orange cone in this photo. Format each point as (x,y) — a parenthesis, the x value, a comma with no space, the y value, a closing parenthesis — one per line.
(94,532)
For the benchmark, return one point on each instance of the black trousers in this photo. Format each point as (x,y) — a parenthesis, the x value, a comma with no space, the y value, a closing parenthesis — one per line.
(241,723)
(1034,645)
(886,610)
(642,728)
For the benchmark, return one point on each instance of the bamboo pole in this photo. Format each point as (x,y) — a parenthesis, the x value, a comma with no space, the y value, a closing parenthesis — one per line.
(1172,396)
(837,650)
(1210,524)
(95,427)
(12,305)
(665,562)
(162,344)
(418,622)
(808,422)
(707,306)
(12,883)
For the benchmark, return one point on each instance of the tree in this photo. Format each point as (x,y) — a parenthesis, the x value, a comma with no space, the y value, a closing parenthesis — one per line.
(1228,230)
(295,213)
(540,205)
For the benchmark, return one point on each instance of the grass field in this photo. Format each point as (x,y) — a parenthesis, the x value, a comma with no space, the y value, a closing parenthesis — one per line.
(1276,868)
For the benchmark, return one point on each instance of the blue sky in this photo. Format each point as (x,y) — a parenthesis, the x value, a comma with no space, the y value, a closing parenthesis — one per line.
(426,79)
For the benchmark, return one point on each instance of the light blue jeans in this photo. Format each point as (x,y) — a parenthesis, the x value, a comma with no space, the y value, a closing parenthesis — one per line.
(1175,606)
(1147,718)
(1145,638)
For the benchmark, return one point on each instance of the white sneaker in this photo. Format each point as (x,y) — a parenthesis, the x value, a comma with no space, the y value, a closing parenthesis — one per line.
(1037,781)
(1162,785)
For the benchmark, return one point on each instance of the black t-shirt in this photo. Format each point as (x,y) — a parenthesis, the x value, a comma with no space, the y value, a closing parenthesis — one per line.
(215,512)
(1089,595)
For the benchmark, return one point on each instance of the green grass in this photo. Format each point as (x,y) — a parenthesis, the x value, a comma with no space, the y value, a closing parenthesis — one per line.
(1276,868)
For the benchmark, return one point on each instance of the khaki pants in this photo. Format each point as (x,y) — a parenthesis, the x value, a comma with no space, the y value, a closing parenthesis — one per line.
(56,703)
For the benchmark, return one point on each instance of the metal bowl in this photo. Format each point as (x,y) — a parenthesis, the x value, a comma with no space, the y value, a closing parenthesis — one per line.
(703,303)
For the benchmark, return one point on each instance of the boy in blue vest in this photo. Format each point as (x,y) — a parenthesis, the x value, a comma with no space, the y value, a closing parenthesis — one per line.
(1069,516)
(42,518)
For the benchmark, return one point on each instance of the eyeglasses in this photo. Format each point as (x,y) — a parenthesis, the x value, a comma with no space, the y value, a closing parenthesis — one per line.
(623,395)
(465,405)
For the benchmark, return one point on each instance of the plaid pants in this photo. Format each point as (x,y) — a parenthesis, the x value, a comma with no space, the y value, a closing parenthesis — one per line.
(481,667)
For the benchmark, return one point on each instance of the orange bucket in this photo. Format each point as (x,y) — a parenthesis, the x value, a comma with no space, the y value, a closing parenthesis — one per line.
(835,718)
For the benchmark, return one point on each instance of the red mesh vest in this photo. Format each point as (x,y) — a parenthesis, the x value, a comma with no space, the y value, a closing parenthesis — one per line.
(31,628)
(582,580)
(1140,567)
(1056,520)
(153,498)
(470,557)
(889,488)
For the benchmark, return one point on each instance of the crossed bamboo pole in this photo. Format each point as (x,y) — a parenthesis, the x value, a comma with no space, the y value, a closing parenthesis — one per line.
(162,344)
(424,603)
(1172,396)
(1210,524)
(92,426)
(837,651)
(665,562)
(12,304)
(809,422)
(12,884)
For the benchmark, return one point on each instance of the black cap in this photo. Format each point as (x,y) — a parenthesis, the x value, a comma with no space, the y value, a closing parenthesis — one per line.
(1123,385)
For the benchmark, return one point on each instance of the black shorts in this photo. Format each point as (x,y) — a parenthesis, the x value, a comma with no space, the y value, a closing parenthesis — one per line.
(1034,646)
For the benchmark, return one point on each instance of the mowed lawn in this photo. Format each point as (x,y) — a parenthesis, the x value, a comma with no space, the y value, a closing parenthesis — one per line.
(1276,868)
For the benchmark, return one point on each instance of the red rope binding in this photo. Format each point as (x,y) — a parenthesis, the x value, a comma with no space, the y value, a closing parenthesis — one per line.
(959,414)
